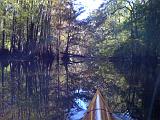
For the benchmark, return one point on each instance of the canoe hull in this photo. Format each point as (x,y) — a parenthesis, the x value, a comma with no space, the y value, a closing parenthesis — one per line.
(98,109)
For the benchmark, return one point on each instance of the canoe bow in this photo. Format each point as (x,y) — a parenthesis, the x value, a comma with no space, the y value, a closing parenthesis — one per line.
(98,109)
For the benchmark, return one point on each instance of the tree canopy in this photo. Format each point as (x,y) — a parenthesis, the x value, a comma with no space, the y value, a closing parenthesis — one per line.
(119,28)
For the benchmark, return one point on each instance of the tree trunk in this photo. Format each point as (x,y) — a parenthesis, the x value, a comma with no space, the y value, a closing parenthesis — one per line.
(3,32)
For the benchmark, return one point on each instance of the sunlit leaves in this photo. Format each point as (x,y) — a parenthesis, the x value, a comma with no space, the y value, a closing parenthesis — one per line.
(119,23)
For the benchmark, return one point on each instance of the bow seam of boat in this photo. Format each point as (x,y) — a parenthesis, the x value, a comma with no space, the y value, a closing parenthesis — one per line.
(99,109)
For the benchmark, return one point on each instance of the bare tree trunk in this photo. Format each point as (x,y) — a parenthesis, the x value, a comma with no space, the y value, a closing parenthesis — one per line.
(3,39)
(3,32)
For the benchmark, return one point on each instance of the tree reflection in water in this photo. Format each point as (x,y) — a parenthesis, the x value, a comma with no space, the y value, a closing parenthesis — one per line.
(51,91)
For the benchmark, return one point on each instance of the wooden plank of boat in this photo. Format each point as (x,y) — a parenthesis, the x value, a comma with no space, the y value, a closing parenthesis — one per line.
(98,109)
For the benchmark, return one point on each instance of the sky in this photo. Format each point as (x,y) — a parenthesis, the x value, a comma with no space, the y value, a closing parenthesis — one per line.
(89,6)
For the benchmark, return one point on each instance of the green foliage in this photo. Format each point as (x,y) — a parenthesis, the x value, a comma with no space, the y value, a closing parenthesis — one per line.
(130,28)
(117,28)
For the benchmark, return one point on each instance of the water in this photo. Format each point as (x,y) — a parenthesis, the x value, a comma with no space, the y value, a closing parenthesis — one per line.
(39,90)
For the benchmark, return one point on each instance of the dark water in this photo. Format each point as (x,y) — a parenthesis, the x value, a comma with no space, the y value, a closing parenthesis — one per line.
(48,91)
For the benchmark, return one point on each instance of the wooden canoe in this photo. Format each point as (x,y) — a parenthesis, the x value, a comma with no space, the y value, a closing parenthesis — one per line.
(98,109)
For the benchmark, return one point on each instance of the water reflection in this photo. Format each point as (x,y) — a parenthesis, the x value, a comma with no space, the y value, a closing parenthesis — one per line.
(32,90)
(79,110)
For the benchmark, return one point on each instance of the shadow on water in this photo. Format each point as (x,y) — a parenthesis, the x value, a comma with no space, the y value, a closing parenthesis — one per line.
(62,91)
(144,88)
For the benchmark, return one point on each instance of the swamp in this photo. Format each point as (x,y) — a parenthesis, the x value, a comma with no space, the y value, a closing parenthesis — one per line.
(55,54)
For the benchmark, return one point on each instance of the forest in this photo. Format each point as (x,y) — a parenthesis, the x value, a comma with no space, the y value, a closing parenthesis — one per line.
(53,58)
(38,29)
